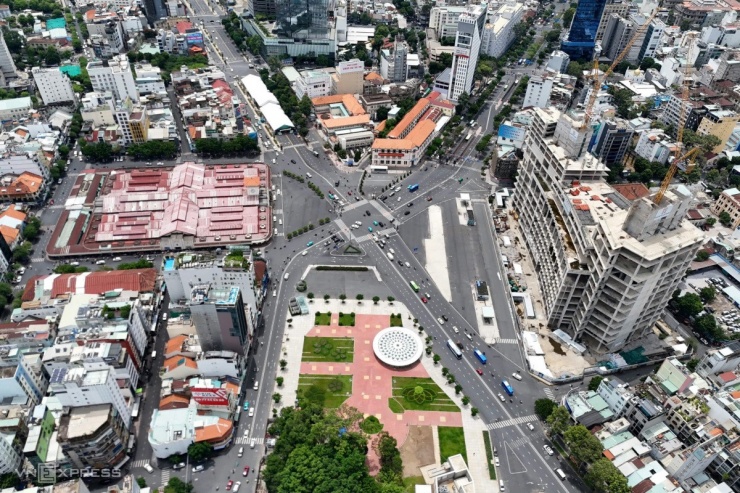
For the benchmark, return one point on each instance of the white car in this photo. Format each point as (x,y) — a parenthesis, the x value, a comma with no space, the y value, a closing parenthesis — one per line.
(496,461)
(516,375)
(530,426)
(251,412)
(408,265)
(304,253)
(117,259)
(548,450)
(198,468)
(246,433)
(399,199)
(503,399)
(236,486)
(148,468)
(440,321)
(397,189)
(469,336)
(358,223)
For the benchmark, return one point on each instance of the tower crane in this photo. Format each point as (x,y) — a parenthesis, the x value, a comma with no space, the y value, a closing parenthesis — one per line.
(598,81)
(683,115)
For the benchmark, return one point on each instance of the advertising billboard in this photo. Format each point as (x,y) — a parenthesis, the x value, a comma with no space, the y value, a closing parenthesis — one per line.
(210,397)
(194,38)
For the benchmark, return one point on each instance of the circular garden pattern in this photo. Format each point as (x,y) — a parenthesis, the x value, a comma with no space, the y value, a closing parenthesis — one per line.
(418,394)
(325,348)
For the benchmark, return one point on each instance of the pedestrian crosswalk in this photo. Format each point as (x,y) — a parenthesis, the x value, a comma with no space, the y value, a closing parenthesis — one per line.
(511,422)
(549,393)
(38,260)
(356,205)
(248,440)
(519,442)
(506,341)
(139,463)
(165,477)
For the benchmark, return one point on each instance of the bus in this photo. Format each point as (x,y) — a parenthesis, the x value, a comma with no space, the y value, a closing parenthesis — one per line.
(379,169)
(414,187)
(508,388)
(455,350)
(414,286)
(481,357)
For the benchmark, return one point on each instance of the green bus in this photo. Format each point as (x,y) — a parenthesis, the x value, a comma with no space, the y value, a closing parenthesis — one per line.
(414,286)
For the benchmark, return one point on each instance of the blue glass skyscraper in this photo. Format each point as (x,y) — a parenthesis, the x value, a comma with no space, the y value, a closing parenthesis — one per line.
(582,36)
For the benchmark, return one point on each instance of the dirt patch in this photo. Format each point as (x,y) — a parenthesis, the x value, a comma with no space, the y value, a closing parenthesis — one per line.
(418,450)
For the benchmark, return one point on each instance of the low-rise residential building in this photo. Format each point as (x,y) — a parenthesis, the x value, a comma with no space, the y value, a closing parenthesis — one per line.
(172,431)
(94,436)
(655,146)
(53,85)
(313,83)
(729,202)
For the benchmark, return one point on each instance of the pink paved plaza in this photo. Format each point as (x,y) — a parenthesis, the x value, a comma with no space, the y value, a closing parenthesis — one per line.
(372,380)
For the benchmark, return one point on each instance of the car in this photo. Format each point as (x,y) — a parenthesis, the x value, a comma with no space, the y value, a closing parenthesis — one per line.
(237,485)
(467,334)
(392,194)
(148,468)
(530,426)
(410,204)
(429,199)
(397,189)
(455,330)
(548,450)
(407,213)
(501,397)
(309,244)
(440,321)
(354,226)
(382,224)
(357,199)
(359,223)
(246,405)
(336,183)
(349,192)
(516,375)
(181,465)
(199,468)
(117,259)
(245,472)
(399,199)
(445,318)
(424,300)
(160,163)
(251,412)
(293,161)
(479,371)
(400,262)
(229,485)
(375,223)
(370,228)
(497,462)
(246,433)
(375,237)
(408,265)
(367,213)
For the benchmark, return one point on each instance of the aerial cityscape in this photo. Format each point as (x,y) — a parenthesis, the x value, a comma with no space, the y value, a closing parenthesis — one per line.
(343,246)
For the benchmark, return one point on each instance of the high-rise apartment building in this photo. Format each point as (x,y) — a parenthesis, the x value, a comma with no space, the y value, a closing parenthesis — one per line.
(443,20)
(393,62)
(611,142)
(498,32)
(607,261)
(467,46)
(538,92)
(582,35)
(113,75)
(220,318)
(53,85)
(619,7)
(94,436)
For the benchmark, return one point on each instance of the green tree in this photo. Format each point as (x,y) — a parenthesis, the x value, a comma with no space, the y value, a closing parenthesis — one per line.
(376,299)
(707,325)
(725,219)
(283,364)
(177,485)
(279,381)
(9,480)
(604,477)
(200,451)
(276,397)
(22,253)
(707,294)
(543,408)
(465,400)
(474,411)
(702,255)
(141,482)
(568,17)
(436,358)
(689,305)
(559,420)
(582,444)
(594,383)
(692,364)
(304,105)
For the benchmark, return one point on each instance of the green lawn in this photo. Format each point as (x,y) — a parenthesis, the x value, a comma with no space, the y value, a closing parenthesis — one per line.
(332,399)
(347,319)
(451,442)
(409,484)
(322,319)
(335,349)
(489,454)
(419,394)
(396,321)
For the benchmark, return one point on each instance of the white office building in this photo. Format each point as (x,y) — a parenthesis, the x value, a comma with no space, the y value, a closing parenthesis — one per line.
(467,47)
(7,65)
(538,92)
(313,83)
(607,263)
(149,79)
(558,62)
(444,20)
(10,459)
(113,75)
(16,108)
(498,32)
(53,85)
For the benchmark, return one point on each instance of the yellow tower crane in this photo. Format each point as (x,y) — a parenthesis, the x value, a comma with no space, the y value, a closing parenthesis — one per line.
(683,116)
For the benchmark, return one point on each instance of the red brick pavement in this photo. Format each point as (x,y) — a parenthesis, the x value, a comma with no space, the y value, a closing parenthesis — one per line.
(372,380)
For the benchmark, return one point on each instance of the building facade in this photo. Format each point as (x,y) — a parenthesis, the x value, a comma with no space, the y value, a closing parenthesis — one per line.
(53,85)
(538,92)
(467,48)
(607,264)
(582,35)
(113,75)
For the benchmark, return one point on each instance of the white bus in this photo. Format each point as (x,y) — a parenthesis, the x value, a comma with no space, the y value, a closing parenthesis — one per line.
(379,169)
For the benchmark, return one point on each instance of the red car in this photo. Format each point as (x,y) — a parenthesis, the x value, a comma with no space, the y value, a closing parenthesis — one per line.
(479,371)
(429,199)
(424,300)
(349,193)
(246,471)
(229,485)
